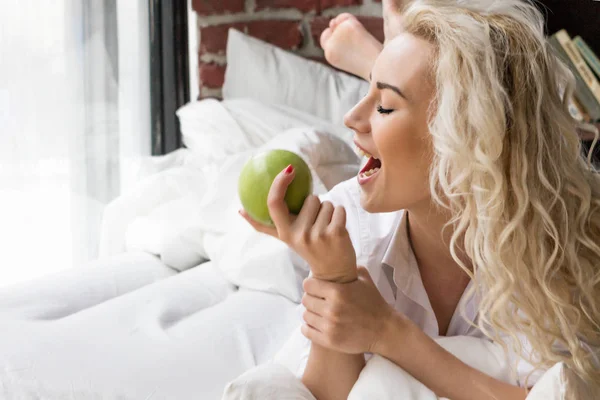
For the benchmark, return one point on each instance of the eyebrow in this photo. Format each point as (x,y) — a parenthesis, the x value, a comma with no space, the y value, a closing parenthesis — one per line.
(381,86)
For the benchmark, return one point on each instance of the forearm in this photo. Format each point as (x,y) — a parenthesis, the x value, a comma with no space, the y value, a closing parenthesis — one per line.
(330,375)
(438,369)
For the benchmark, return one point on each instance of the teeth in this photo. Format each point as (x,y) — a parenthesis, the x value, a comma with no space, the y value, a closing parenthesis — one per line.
(360,152)
(370,172)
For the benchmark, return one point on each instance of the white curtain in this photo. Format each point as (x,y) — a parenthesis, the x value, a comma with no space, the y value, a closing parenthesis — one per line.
(67,142)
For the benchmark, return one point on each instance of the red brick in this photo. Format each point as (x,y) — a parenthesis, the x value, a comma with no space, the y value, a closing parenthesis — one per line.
(373,24)
(325,4)
(211,7)
(302,5)
(211,75)
(213,39)
(285,34)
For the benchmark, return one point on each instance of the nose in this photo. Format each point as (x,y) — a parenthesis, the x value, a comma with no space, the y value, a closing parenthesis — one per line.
(357,118)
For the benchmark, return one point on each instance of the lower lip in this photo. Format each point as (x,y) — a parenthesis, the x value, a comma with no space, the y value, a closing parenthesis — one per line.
(364,180)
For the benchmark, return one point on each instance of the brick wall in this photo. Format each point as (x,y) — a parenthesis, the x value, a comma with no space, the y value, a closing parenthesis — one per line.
(294,25)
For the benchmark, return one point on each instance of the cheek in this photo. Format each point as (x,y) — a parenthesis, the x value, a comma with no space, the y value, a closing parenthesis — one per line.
(407,158)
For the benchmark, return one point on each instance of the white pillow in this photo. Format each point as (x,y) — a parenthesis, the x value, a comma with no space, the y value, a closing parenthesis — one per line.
(381,379)
(264,72)
(214,129)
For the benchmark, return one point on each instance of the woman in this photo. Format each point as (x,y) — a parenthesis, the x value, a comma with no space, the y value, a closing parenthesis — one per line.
(475,158)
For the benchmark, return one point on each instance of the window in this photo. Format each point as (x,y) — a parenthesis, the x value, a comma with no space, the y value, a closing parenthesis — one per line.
(74,125)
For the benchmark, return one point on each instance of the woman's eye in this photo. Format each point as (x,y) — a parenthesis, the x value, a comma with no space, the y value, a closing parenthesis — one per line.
(382,110)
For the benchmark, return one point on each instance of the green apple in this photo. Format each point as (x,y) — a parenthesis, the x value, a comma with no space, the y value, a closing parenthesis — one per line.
(257,176)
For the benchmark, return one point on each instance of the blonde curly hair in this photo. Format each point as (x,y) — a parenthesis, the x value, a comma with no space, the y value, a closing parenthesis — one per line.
(508,165)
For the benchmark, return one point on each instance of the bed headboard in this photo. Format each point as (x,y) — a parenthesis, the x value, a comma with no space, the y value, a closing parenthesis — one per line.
(294,25)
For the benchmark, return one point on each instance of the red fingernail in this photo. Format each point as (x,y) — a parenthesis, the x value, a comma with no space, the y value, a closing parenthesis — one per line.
(289,169)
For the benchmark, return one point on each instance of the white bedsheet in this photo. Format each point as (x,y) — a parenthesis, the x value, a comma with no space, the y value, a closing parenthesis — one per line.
(129,328)
(129,325)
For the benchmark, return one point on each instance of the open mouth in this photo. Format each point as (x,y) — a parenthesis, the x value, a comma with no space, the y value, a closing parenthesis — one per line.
(372,167)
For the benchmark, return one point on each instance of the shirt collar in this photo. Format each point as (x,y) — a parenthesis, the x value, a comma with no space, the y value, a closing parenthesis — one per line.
(407,277)
(399,254)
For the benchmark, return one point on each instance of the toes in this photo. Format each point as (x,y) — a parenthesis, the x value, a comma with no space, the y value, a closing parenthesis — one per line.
(325,36)
(339,19)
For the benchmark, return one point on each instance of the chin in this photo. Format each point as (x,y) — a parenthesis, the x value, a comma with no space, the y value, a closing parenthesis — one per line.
(370,205)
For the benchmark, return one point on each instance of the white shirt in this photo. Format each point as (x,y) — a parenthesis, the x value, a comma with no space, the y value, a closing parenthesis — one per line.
(382,246)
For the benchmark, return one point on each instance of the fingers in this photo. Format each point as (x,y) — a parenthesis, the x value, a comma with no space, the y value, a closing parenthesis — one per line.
(318,288)
(314,304)
(278,209)
(338,219)
(324,217)
(314,321)
(308,214)
(269,230)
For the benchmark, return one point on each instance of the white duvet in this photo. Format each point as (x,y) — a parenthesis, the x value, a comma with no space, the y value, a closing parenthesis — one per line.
(131,325)
(188,213)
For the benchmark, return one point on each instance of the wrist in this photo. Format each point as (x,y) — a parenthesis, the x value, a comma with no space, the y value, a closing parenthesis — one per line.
(339,277)
(397,328)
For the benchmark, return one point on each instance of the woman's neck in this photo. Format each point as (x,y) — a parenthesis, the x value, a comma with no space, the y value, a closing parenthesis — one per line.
(430,241)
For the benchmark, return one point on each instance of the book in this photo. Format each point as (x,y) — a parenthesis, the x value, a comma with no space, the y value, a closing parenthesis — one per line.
(586,73)
(582,91)
(576,112)
(587,53)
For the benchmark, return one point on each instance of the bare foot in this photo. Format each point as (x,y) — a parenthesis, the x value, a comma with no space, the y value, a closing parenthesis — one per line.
(392,17)
(349,46)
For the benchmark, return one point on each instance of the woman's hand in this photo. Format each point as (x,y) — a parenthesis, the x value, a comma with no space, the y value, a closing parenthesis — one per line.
(350,318)
(318,234)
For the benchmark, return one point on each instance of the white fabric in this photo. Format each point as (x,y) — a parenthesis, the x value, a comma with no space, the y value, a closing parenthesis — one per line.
(550,386)
(381,379)
(213,130)
(266,382)
(280,77)
(160,181)
(130,327)
(183,213)
(411,298)
(68,292)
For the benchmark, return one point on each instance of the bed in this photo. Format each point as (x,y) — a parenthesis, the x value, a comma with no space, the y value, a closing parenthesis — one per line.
(186,297)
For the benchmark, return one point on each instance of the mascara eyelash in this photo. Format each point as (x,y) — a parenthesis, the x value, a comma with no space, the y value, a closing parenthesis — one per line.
(382,110)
